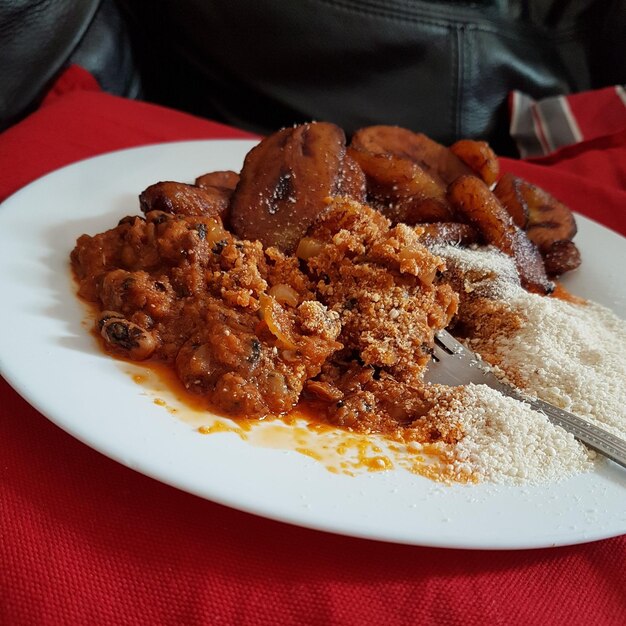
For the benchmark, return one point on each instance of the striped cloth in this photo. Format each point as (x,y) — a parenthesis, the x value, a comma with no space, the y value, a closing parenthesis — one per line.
(541,127)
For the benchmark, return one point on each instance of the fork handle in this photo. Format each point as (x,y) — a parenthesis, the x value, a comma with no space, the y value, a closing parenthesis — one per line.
(593,436)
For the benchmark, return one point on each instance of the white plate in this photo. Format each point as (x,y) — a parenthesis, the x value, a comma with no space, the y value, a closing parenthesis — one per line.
(50,359)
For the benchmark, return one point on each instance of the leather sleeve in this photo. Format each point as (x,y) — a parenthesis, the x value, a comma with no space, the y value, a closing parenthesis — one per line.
(444,68)
(38,38)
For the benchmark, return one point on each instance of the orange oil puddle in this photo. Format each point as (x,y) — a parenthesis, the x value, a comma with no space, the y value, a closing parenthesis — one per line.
(338,451)
(561,293)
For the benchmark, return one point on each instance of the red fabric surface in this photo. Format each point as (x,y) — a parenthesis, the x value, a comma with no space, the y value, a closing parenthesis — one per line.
(82,122)
(599,112)
(84,540)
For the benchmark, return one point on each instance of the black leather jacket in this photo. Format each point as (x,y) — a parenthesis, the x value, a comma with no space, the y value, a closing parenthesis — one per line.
(444,68)
(38,38)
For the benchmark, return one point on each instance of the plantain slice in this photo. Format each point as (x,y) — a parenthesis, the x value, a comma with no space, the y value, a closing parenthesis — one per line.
(562,256)
(224,179)
(184,199)
(446,233)
(419,211)
(479,157)
(284,183)
(548,219)
(471,197)
(390,175)
(401,189)
(351,181)
(509,192)
(434,158)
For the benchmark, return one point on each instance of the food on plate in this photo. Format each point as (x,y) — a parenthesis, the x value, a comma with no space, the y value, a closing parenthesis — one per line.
(508,191)
(440,162)
(352,182)
(183,199)
(285,181)
(225,181)
(246,327)
(387,290)
(548,223)
(479,157)
(316,278)
(408,175)
(196,291)
(442,233)
(401,189)
(561,256)
(472,199)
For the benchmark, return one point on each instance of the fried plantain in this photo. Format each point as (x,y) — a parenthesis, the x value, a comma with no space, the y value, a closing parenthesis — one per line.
(285,181)
(548,220)
(471,197)
(224,179)
(479,157)
(446,233)
(390,175)
(401,189)
(434,158)
(412,211)
(352,181)
(508,191)
(562,256)
(183,199)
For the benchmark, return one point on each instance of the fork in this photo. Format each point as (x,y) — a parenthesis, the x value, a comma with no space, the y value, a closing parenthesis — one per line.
(453,364)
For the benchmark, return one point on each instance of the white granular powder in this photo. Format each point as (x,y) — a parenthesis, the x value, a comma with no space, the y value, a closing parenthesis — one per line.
(571,355)
(506,441)
(482,271)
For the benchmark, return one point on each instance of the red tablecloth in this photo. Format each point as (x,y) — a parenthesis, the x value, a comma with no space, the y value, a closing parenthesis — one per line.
(84,540)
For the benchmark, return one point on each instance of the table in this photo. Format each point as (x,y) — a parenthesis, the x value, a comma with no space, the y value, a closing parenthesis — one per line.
(84,540)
